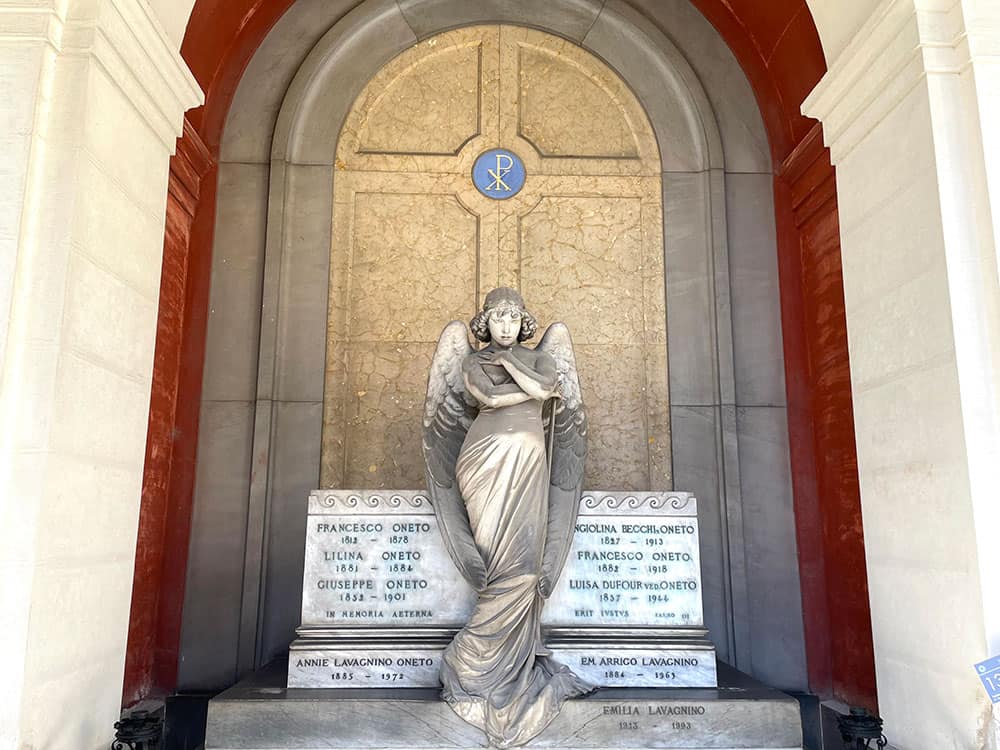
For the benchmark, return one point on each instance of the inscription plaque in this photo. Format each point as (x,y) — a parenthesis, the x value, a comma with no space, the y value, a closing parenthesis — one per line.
(381,597)
(606,666)
(377,560)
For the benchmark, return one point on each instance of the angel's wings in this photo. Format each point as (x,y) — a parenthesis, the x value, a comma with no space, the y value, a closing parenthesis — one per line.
(448,413)
(567,433)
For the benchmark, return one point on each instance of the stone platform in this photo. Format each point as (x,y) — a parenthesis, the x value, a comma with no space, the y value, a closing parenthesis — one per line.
(261,714)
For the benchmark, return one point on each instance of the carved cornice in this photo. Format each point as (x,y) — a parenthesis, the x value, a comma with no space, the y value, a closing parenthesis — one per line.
(900,44)
(416,502)
(598,503)
(354,502)
(188,166)
(810,177)
(127,41)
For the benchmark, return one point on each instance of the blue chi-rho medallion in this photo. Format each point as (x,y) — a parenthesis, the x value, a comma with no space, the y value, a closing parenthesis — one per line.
(498,174)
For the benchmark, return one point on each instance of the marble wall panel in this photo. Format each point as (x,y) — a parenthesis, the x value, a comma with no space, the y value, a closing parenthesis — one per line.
(568,18)
(412,266)
(262,89)
(585,261)
(734,106)
(614,393)
(431,107)
(757,342)
(687,244)
(214,587)
(332,76)
(237,275)
(384,402)
(302,297)
(685,130)
(402,264)
(581,261)
(591,123)
(776,629)
(696,461)
(294,471)
(586,251)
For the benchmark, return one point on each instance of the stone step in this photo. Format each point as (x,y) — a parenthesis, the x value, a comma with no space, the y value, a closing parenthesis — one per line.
(261,714)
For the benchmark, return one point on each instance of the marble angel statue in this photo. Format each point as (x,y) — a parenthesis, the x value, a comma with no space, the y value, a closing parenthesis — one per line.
(505,438)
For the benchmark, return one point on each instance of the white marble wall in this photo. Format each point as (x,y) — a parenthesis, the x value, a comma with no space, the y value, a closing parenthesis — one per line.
(922,296)
(81,238)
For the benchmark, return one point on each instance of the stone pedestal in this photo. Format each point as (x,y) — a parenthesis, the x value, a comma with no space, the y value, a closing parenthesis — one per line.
(381,599)
(261,714)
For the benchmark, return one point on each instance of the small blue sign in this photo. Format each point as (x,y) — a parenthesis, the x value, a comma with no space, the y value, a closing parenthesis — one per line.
(989,673)
(498,174)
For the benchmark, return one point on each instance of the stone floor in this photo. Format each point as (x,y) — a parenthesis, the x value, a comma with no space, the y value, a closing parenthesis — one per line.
(261,714)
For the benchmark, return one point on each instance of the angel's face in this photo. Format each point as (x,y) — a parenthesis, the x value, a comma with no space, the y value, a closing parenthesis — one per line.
(505,325)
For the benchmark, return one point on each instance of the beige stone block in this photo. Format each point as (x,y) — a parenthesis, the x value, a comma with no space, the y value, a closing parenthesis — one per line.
(80,616)
(615,398)
(903,333)
(76,516)
(430,103)
(108,320)
(86,392)
(581,260)
(898,153)
(882,250)
(384,412)
(137,162)
(412,267)
(909,418)
(92,687)
(127,241)
(591,123)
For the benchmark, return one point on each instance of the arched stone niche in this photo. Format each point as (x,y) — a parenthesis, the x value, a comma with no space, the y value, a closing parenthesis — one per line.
(262,400)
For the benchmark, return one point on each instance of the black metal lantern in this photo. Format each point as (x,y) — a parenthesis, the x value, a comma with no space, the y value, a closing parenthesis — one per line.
(859,728)
(138,731)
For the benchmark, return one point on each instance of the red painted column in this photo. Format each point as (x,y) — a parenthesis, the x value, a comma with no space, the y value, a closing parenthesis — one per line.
(162,523)
(832,564)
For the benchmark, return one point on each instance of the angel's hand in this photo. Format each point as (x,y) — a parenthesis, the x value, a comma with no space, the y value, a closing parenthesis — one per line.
(544,586)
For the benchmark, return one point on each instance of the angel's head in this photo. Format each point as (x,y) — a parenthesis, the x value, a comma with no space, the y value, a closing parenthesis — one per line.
(503,319)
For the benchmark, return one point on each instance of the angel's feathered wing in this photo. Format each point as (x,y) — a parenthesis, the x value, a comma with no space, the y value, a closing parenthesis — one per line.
(448,413)
(569,451)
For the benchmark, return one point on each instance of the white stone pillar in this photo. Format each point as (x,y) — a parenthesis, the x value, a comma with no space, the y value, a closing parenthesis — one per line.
(92,96)
(908,109)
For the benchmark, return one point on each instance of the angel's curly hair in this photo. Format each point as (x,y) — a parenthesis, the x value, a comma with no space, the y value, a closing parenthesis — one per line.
(501,297)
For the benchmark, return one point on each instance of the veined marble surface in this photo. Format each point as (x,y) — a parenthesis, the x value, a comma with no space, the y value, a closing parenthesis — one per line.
(603,666)
(376,559)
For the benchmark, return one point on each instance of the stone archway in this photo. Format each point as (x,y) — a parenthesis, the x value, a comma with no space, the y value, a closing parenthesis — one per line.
(270,283)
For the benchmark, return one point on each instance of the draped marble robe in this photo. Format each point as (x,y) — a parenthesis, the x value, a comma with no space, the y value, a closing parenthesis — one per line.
(496,673)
